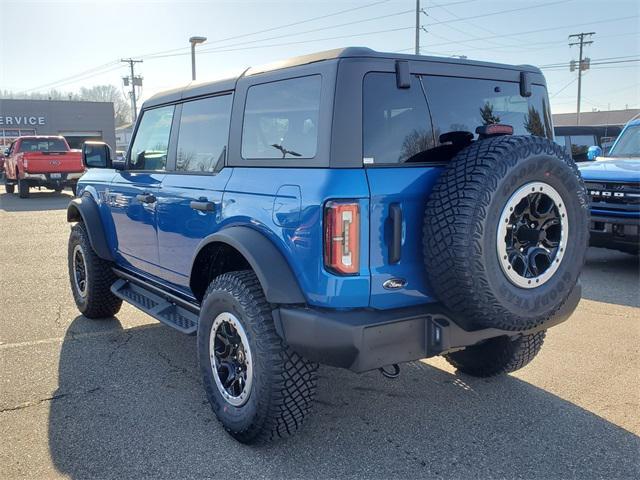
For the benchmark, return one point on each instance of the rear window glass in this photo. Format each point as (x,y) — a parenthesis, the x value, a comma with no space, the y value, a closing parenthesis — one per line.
(396,121)
(281,119)
(462,104)
(43,145)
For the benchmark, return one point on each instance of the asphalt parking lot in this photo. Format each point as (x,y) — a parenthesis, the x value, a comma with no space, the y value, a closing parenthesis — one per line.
(121,398)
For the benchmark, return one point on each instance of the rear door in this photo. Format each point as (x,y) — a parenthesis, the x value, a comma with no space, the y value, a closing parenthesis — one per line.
(190,197)
(405,148)
(396,126)
(133,193)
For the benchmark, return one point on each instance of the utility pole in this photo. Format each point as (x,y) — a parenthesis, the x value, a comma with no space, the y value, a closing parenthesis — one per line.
(135,81)
(417,27)
(583,64)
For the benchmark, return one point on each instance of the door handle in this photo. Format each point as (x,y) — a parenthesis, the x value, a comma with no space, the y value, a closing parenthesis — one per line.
(395,214)
(203,205)
(146,198)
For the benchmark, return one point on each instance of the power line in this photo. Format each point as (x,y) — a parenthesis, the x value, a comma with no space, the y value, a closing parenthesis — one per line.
(593,60)
(223,49)
(73,77)
(502,12)
(251,42)
(271,29)
(591,64)
(564,88)
(549,29)
(81,75)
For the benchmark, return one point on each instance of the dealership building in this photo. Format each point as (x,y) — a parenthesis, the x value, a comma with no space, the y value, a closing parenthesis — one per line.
(76,121)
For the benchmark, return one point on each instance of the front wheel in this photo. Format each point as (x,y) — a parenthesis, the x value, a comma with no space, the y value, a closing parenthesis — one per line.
(257,386)
(498,355)
(91,277)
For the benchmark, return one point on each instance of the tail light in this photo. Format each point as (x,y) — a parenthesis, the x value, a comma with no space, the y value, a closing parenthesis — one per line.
(25,162)
(342,237)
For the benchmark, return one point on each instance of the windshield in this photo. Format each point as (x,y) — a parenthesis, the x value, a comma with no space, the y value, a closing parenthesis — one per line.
(43,145)
(628,144)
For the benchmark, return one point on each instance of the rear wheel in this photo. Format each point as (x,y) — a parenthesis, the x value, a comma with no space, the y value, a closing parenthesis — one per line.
(23,188)
(257,386)
(506,232)
(91,277)
(497,355)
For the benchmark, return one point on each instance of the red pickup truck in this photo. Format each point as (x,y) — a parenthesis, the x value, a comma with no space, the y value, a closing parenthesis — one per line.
(42,161)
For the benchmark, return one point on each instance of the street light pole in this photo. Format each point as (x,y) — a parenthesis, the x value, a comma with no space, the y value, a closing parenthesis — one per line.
(194,41)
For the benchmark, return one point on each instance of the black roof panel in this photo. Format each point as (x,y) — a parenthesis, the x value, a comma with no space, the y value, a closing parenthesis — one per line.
(203,88)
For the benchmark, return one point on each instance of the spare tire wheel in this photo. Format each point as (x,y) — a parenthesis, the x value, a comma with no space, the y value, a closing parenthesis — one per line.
(506,232)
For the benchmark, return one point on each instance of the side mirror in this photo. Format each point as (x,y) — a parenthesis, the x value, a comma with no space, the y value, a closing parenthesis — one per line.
(593,152)
(96,155)
(118,162)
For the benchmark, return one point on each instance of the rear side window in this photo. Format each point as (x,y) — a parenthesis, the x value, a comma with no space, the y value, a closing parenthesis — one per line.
(396,123)
(281,119)
(463,104)
(204,130)
(150,145)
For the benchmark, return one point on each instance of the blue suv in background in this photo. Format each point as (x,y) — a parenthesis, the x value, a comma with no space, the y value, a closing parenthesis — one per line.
(613,184)
(349,208)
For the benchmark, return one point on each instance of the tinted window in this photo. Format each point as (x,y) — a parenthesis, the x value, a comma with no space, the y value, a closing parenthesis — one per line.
(396,123)
(580,144)
(150,145)
(560,141)
(461,104)
(43,145)
(281,119)
(628,145)
(204,130)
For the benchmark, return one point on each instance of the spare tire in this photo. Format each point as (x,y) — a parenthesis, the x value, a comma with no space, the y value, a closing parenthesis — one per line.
(506,232)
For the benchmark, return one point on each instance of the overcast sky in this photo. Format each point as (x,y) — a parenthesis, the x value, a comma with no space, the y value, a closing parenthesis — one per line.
(47,44)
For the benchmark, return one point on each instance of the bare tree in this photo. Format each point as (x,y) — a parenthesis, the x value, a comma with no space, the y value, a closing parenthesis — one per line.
(109,93)
(97,93)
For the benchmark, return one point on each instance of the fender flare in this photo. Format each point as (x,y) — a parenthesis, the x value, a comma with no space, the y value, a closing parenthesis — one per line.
(274,273)
(85,210)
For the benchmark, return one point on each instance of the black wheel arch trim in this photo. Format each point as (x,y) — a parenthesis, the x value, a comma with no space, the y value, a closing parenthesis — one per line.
(85,209)
(272,269)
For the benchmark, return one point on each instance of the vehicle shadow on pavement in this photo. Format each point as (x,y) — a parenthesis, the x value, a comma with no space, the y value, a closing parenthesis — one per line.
(130,404)
(610,276)
(37,201)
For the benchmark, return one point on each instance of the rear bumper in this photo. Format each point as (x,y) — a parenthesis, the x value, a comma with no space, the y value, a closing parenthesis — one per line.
(622,233)
(362,340)
(49,179)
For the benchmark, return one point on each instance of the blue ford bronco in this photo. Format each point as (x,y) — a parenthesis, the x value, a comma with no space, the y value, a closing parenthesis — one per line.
(348,208)
(613,185)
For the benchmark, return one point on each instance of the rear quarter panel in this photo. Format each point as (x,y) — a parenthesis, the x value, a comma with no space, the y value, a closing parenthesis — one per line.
(267,200)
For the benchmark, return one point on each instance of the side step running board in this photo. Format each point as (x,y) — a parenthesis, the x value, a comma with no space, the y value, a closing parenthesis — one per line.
(156,305)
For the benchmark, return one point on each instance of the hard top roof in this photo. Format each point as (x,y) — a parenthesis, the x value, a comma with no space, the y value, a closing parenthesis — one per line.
(195,89)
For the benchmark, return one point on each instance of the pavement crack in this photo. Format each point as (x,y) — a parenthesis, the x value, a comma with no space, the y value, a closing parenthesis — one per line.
(52,398)
(118,346)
